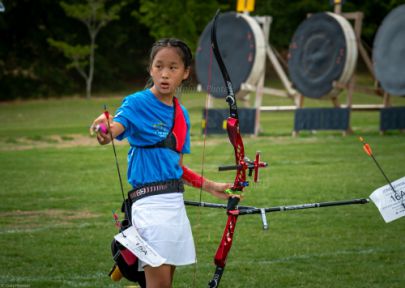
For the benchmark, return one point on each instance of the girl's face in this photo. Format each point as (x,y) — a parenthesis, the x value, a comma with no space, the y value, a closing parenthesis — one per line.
(168,72)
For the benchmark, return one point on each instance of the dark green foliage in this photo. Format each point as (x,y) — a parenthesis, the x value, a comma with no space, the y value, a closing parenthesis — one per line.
(176,18)
(94,15)
(287,15)
(29,67)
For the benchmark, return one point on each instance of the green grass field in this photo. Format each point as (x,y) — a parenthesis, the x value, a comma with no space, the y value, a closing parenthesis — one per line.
(58,190)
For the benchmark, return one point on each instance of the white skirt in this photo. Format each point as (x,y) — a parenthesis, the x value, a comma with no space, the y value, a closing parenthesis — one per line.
(162,222)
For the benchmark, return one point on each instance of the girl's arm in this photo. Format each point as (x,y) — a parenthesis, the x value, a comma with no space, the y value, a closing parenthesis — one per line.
(216,189)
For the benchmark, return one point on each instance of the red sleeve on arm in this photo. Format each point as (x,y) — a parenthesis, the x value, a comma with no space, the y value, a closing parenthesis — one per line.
(196,180)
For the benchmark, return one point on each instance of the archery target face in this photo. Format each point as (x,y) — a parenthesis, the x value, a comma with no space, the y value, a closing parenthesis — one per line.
(323,50)
(241,44)
(389,52)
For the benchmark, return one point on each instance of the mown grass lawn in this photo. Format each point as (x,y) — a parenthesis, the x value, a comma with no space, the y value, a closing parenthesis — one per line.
(58,190)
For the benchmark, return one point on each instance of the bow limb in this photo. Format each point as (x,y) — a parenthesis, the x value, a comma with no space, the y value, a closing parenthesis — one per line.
(233,121)
(240,179)
(224,247)
(230,98)
(242,164)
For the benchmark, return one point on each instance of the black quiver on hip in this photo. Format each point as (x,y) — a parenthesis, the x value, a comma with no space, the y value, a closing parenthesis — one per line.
(126,263)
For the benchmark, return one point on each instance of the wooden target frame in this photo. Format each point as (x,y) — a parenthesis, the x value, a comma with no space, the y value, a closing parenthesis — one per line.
(357,18)
(262,24)
(351,86)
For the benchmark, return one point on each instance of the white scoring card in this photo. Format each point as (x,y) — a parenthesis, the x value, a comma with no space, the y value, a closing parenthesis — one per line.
(131,239)
(390,203)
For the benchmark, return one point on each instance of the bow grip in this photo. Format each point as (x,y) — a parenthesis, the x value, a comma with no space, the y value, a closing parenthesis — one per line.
(233,202)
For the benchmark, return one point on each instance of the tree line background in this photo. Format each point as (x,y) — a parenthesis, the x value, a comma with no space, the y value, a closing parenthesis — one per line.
(32,65)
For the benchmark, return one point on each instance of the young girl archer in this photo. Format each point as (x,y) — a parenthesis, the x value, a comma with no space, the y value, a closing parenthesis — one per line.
(158,129)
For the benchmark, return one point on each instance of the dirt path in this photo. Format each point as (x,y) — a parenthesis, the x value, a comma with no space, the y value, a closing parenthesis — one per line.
(54,141)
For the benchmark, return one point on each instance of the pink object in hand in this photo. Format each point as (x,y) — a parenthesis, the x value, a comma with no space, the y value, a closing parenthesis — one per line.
(102,127)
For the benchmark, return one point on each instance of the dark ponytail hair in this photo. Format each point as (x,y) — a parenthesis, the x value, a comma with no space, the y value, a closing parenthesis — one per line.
(182,49)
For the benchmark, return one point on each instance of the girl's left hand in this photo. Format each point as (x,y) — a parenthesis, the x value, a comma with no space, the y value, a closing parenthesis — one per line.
(217,189)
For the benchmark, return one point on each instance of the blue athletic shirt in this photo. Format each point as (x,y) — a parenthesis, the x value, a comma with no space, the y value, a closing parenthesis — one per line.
(147,121)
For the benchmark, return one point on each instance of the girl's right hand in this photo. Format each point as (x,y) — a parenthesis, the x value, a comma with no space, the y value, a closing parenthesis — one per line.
(100,126)
(105,130)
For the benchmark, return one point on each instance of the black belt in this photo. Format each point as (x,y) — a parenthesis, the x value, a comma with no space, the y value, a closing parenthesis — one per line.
(156,188)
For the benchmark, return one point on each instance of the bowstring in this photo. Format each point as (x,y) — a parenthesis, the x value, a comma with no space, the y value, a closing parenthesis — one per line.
(206,118)
(203,155)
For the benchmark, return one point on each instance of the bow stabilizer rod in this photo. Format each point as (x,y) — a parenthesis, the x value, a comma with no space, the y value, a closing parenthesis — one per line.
(249,210)
(244,210)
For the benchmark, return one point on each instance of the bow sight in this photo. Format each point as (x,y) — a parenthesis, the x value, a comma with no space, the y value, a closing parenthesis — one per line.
(247,164)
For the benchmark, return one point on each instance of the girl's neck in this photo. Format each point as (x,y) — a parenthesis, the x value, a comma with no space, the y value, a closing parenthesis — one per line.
(166,99)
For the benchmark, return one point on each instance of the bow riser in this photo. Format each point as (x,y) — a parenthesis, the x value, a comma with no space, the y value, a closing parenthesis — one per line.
(236,140)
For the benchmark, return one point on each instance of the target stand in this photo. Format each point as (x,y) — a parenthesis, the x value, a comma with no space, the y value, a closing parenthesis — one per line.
(259,89)
(352,86)
(245,53)
(323,51)
(386,70)
(389,63)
